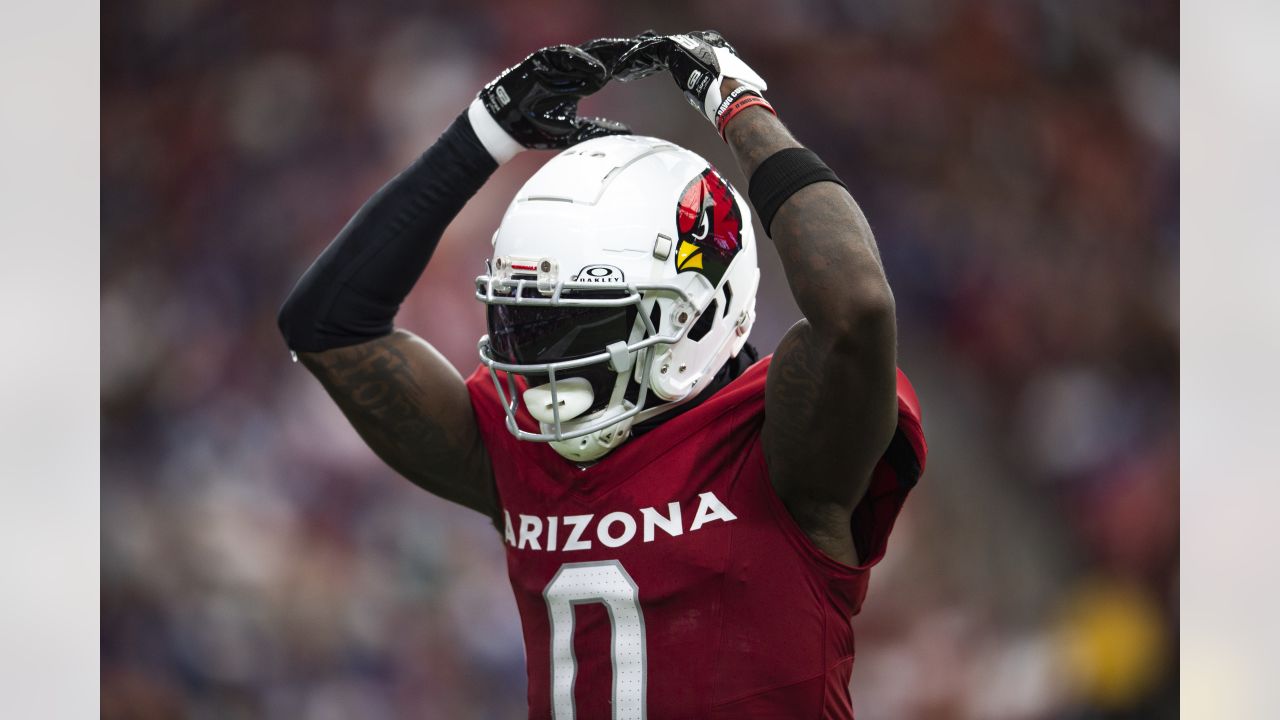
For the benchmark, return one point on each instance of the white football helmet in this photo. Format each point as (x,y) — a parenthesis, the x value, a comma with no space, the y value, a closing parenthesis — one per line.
(624,268)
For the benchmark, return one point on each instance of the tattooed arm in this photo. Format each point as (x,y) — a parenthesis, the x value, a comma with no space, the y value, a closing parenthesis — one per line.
(830,403)
(411,407)
(403,397)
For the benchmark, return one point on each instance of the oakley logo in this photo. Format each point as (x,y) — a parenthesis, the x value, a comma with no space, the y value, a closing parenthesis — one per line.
(694,77)
(600,274)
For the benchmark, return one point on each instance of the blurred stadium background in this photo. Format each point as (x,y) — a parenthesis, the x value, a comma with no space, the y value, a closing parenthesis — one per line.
(1018,161)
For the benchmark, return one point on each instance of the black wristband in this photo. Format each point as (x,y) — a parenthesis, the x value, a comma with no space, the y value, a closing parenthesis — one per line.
(783,174)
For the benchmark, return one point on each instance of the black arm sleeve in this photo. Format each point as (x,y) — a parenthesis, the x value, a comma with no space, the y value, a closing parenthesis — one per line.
(353,290)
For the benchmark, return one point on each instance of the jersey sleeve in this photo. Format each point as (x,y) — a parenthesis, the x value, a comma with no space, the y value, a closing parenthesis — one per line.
(893,478)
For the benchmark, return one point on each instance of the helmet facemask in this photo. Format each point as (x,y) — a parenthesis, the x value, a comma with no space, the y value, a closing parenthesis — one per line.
(585,354)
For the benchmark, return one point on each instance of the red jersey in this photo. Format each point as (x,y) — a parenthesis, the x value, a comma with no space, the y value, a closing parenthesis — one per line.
(668,580)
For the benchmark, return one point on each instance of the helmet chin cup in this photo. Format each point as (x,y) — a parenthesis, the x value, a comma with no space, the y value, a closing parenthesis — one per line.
(572,395)
(595,445)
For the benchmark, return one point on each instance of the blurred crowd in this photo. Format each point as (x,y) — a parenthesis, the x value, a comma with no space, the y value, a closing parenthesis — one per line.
(1017,159)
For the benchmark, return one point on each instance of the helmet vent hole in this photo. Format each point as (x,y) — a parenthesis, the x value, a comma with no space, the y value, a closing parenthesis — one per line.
(728,298)
(703,324)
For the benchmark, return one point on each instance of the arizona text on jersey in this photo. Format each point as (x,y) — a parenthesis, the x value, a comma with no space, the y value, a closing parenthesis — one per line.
(652,582)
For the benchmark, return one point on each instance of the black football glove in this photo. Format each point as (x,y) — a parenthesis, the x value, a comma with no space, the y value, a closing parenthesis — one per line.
(698,62)
(535,104)
(609,50)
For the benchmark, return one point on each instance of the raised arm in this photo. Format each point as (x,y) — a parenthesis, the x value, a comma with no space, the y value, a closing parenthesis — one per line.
(831,395)
(831,392)
(403,398)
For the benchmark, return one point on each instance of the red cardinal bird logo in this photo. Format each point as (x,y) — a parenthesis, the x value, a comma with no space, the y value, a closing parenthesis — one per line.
(709,224)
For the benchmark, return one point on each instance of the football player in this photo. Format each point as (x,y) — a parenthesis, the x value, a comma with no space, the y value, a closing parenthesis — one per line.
(688,529)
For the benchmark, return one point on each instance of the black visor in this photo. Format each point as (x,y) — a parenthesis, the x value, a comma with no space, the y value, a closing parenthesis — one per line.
(529,334)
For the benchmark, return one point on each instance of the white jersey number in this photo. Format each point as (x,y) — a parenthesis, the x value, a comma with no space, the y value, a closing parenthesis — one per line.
(608,583)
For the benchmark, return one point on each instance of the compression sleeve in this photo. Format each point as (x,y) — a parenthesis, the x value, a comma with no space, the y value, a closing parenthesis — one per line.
(352,292)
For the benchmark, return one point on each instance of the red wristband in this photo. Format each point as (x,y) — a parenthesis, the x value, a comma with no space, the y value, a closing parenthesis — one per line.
(738,105)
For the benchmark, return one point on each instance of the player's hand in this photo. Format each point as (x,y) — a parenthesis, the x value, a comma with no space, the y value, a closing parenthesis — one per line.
(535,104)
(699,62)
(611,49)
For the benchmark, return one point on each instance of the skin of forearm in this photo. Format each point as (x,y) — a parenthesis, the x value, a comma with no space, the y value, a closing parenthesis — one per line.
(827,249)
(395,390)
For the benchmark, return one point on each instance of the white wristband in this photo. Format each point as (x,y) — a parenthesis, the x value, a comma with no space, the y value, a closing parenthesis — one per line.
(496,140)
